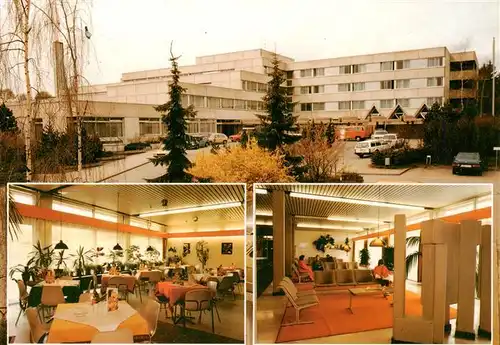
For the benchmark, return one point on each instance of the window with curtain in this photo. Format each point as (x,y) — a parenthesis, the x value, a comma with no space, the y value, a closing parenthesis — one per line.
(23,198)
(107,216)
(18,249)
(69,208)
(375,255)
(74,236)
(106,239)
(141,241)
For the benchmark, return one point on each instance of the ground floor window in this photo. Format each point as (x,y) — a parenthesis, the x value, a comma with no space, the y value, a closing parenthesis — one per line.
(104,127)
(149,126)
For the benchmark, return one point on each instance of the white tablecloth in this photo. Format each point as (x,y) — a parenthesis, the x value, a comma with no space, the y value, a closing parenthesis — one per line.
(97,315)
(62,283)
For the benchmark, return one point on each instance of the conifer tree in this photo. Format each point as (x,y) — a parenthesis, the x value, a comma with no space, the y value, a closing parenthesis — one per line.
(175,117)
(8,122)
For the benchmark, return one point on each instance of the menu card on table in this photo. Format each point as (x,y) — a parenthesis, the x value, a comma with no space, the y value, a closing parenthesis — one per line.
(112,299)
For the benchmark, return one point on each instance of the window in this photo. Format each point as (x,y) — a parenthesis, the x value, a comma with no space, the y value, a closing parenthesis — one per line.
(197,101)
(345,105)
(38,124)
(73,209)
(23,198)
(318,106)
(387,66)
(227,103)
(437,81)
(305,73)
(435,62)
(317,72)
(261,87)
(402,64)
(402,83)
(404,102)
(358,104)
(103,126)
(345,69)
(387,85)
(433,100)
(149,126)
(184,100)
(252,105)
(358,86)
(318,89)
(345,87)
(304,90)
(214,102)
(306,107)
(107,216)
(239,104)
(358,68)
(386,103)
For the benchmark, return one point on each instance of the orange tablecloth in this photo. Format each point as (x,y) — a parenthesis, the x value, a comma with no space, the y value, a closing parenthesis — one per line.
(130,281)
(175,292)
(62,331)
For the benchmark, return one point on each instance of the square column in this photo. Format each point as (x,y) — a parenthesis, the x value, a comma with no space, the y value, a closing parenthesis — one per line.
(279,228)
(485,283)
(289,244)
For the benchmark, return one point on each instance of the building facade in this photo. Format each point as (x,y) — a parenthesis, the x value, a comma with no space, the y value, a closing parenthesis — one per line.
(227,90)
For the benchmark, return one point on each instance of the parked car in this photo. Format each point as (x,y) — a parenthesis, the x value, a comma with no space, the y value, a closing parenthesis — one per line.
(197,141)
(379,134)
(353,132)
(236,137)
(391,139)
(367,147)
(218,138)
(467,162)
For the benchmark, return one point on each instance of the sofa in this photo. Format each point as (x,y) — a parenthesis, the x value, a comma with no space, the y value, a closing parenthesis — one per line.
(340,273)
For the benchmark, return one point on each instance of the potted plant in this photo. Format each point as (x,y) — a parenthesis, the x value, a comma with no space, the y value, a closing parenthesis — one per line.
(98,269)
(324,242)
(388,257)
(43,258)
(202,252)
(27,271)
(61,265)
(115,256)
(82,257)
(364,257)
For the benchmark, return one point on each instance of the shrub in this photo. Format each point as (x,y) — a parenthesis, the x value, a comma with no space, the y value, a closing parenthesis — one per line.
(12,157)
(137,146)
(402,156)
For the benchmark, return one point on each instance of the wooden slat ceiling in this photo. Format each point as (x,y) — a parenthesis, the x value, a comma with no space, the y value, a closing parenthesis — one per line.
(431,196)
(136,199)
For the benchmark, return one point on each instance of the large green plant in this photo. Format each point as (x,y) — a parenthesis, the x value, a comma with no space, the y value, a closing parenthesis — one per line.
(115,256)
(81,259)
(61,260)
(43,256)
(324,242)
(202,252)
(27,271)
(134,254)
(152,255)
(412,258)
(388,257)
(364,257)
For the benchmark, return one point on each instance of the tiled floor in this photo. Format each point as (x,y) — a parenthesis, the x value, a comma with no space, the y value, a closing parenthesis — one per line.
(231,313)
(270,310)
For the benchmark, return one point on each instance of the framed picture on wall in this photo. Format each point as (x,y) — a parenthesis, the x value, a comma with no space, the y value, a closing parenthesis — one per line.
(227,248)
(186,249)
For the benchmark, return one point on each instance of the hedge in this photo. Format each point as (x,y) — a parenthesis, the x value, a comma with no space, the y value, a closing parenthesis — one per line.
(399,157)
(137,146)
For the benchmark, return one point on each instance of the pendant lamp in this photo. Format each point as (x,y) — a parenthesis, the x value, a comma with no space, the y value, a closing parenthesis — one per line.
(150,248)
(378,242)
(61,245)
(117,247)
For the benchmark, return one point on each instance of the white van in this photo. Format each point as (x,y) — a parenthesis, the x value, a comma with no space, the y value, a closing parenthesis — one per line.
(379,134)
(391,139)
(368,147)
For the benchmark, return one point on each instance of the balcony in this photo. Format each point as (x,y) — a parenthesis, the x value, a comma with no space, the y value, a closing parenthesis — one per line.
(461,75)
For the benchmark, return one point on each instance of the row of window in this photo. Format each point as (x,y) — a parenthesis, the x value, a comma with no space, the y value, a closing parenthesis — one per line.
(254,86)
(104,127)
(359,105)
(154,126)
(361,68)
(221,103)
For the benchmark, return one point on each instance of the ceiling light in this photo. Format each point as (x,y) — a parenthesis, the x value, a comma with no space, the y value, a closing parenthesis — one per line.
(190,209)
(263,213)
(356,220)
(337,227)
(377,243)
(354,201)
(61,245)
(260,191)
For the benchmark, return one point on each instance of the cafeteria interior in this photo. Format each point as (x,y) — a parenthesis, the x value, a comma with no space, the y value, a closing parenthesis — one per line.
(126,263)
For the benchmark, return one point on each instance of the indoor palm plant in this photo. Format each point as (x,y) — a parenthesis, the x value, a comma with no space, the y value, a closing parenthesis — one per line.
(82,259)
(43,258)
(364,257)
(61,265)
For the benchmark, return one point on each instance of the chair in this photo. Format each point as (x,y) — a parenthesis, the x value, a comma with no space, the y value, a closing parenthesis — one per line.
(120,336)
(121,284)
(23,298)
(150,312)
(292,288)
(300,275)
(364,277)
(212,287)
(38,330)
(299,303)
(226,286)
(85,297)
(199,300)
(344,277)
(51,297)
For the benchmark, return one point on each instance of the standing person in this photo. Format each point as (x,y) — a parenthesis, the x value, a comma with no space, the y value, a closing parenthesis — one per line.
(303,267)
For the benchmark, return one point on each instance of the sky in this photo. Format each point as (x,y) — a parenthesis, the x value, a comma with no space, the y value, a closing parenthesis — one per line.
(134,35)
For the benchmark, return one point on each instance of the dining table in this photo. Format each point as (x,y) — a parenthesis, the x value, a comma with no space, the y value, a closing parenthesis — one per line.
(176,294)
(141,274)
(71,291)
(130,279)
(79,322)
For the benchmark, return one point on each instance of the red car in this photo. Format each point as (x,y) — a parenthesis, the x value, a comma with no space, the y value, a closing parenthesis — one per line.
(236,137)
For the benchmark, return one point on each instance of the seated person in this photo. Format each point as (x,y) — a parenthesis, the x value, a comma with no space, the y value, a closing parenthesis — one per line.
(317,265)
(303,267)
(329,258)
(382,275)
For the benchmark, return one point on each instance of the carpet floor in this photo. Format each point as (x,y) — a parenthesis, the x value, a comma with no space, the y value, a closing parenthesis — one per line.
(332,316)
(168,333)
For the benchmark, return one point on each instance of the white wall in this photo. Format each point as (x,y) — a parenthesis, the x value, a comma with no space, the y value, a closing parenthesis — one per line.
(214,244)
(304,244)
